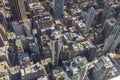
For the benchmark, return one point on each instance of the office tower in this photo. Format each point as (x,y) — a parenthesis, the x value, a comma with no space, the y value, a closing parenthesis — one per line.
(45,20)
(108,27)
(18,10)
(3,36)
(89,19)
(113,39)
(58,9)
(92,53)
(106,13)
(56,44)
(2,17)
(34,49)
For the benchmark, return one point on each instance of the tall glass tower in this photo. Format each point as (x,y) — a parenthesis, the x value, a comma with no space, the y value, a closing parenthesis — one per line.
(58,9)
(113,39)
(89,19)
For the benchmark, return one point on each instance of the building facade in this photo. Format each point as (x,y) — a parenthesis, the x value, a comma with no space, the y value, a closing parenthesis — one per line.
(113,39)
(89,19)
(58,9)
(56,44)
(18,10)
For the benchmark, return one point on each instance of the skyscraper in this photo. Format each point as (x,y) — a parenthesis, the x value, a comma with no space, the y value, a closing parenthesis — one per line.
(2,18)
(3,36)
(18,10)
(106,12)
(89,19)
(58,9)
(113,39)
(56,44)
(34,49)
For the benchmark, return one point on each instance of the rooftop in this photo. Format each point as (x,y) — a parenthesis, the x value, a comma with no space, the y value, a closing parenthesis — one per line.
(33,71)
(59,74)
(15,70)
(74,67)
(3,70)
(56,35)
(105,62)
(36,5)
(73,37)
(3,66)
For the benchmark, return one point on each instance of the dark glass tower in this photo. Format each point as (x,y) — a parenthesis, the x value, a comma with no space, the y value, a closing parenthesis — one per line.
(18,10)
(113,39)
(58,9)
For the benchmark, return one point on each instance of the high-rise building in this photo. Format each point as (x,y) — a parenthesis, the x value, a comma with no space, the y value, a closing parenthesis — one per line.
(2,17)
(106,12)
(34,49)
(105,70)
(45,20)
(89,19)
(109,24)
(56,44)
(3,36)
(3,44)
(58,9)
(113,39)
(18,10)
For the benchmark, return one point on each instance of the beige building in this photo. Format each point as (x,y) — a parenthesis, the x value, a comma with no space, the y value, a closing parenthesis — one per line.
(4,75)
